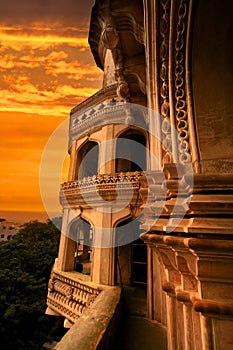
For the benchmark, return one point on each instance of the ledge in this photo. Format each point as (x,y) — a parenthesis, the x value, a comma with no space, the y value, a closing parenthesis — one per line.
(214,307)
(91,331)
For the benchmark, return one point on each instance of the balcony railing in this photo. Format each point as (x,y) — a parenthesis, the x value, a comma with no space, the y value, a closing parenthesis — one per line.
(70,293)
(120,186)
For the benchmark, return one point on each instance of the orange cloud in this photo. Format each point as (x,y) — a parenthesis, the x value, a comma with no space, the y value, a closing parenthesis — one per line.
(22,145)
(40,77)
(20,40)
(45,71)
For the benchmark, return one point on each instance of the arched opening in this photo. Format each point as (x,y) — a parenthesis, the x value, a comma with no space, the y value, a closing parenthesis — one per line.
(131,257)
(131,151)
(81,233)
(87,160)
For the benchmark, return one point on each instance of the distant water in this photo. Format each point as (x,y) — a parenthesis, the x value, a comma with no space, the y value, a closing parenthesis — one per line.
(22,217)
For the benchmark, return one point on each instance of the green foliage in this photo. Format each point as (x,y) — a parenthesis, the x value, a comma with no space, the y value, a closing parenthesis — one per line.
(25,265)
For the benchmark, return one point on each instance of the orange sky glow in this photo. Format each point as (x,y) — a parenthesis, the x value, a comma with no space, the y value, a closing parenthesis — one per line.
(46,68)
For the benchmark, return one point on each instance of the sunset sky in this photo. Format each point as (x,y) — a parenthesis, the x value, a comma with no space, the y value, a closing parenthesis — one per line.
(46,68)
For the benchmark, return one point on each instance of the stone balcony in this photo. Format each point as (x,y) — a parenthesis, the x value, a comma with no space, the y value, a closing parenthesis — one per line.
(88,309)
(70,294)
(122,188)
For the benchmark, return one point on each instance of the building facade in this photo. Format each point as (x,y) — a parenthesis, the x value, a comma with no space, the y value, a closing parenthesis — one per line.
(151,153)
(8,230)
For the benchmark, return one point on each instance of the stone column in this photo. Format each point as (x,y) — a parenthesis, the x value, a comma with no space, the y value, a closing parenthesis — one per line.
(65,261)
(107,151)
(71,173)
(103,252)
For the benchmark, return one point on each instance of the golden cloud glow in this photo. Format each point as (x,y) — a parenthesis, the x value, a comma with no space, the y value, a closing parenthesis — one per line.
(45,71)
(17,39)
(22,144)
(42,73)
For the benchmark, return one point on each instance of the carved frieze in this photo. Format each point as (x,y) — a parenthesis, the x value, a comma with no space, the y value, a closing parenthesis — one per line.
(180,82)
(164,24)
(69,297)
(174,101)
(103,109)
(109,187)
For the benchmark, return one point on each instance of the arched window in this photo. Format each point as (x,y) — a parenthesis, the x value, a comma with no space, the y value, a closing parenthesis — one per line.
(82,234)
(87,160)
(131,151)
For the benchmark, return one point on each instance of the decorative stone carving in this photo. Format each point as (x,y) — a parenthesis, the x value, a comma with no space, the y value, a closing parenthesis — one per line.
(164,91)
(198,286)
(102,111)
(110,40)
(109,35)
(180,83)
(69,296)
(172,62)
(209,197)
(104,185)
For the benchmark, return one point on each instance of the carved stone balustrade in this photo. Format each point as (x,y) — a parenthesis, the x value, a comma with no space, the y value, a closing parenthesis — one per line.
(120,187)
(70,294)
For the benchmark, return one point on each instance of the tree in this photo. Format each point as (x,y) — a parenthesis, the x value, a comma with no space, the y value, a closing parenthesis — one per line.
(25,265)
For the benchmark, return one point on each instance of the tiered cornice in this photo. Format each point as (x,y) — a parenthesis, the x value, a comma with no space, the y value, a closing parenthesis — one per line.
(194,203)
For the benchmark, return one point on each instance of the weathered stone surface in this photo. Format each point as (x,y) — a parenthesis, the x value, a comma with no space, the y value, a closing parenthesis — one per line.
(176,58)
(91,329)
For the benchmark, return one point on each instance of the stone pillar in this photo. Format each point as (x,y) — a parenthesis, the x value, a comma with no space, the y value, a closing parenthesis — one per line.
(167,258)
(65,261)
(103,253)
(73,155)
(107,151)
(206,333)
(156,297)
(188,327)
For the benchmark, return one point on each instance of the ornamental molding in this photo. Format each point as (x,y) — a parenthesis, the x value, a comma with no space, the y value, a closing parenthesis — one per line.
(171,67)
(106,93)
(109,187)
(169,202)
(108,111)
(123,19)
(164,24)
(69,296)
(195,280)
(180,81)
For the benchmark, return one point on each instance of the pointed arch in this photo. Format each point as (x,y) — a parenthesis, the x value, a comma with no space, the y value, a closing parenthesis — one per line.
(87,160)
(81,233)
(131,258)
(131,151)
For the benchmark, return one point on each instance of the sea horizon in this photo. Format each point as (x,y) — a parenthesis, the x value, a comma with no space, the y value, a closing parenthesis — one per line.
(22,217)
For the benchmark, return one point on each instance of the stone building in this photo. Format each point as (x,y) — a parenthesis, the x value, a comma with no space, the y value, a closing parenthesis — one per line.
(8,230)
(151,153)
